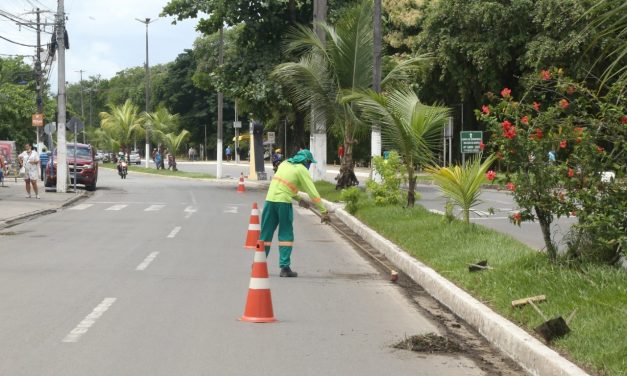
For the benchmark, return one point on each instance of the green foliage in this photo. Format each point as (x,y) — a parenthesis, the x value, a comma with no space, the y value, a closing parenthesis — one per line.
(461,185)
(585,133)
(351,197)
(392,173)
(123,123)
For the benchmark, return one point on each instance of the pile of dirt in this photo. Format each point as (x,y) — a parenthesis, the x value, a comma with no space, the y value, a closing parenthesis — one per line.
(429,343)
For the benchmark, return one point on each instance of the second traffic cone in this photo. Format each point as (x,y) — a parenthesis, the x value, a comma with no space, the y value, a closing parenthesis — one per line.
(259,301)
(254,228)
(240,185)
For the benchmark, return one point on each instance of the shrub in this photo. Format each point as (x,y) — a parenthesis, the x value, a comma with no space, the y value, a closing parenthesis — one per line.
(392,173)
(351,197)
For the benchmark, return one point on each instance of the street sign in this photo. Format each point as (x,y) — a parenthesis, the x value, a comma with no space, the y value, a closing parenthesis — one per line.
(471,141)
(38,120)
(75,125)
(237,124)
(271,138)
(50,128)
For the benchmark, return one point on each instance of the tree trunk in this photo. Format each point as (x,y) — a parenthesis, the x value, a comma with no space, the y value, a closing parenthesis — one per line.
(299,132)
(291,6)
(411,191)
(346,178)
(545,219)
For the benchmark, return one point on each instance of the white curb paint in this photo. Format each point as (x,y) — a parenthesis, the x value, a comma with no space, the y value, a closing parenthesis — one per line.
(89,320)
(527,351)
(174,232)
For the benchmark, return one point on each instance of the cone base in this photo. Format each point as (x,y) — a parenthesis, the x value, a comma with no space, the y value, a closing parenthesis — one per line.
(250,247)
(258,319)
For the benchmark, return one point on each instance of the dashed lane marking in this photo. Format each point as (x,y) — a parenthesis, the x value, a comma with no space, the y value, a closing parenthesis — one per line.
(174,232)
(152,208)
(147,261)
(75,334)
(116,207)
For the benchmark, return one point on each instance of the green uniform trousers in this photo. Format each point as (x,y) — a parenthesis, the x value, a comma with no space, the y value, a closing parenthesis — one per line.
(278,214)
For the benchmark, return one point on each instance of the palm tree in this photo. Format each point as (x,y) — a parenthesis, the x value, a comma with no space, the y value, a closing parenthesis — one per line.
(341,62)
(408,126)
(462,184)
(161,122)
(174,142)
(122,123)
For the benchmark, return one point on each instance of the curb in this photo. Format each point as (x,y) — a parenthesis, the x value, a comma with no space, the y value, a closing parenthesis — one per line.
(22,217)
(531,354)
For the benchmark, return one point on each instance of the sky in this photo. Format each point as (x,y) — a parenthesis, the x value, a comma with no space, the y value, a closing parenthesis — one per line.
(104,36)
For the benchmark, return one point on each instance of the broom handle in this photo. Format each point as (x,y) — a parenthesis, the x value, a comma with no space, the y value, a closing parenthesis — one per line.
(538,310)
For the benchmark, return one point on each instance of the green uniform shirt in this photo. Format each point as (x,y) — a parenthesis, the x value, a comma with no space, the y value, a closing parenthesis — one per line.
(288,180)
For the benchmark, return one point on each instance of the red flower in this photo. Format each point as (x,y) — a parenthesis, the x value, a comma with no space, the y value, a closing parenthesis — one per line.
(571,173)
(490,175)
(510,133)
(536,106)
(524,119)
(481,145)
(510,186)
(564,103)
(578,131)
(600,149)
(545,74)
(506,125)
(563,144)
(624,120)
(485,109)
(570,90)
(539,133)
(506,93)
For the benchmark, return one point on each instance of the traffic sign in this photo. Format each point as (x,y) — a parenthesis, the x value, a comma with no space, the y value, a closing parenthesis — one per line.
(471,141)
(237,124)
(271,138)
(50,128)
(74,125)
(38,120)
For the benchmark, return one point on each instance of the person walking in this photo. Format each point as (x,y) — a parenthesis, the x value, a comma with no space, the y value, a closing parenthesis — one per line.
(228,152)
(29,161)
(292,176)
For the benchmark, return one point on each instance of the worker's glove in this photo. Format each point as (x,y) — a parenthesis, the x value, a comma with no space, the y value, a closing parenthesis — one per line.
(303,204)
(325,218)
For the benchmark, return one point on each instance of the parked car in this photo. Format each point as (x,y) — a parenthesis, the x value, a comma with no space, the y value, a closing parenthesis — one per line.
(135,158)
(100,155)
(85,166)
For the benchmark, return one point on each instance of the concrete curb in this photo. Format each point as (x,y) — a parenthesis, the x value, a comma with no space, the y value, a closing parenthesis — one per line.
(22,217)
(527,351)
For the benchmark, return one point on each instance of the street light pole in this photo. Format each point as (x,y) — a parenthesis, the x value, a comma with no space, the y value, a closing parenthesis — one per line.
(147,22)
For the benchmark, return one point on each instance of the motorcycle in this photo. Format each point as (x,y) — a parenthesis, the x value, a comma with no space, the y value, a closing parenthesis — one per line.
(123,169)
(276,161)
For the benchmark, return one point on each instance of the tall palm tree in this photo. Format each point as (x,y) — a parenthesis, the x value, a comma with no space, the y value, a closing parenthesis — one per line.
(123,123)
(328,68)
(161,122)
(408,126)
(174,142)
(462,184)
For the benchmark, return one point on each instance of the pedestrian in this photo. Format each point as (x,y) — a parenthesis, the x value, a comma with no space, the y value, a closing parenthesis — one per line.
(29,164)
(228,152)
(158,159)
(2,166)
(292,176)
(190,153)
(340,153)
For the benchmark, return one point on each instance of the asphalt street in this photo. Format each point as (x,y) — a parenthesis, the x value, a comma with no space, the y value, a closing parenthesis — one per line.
(148,276)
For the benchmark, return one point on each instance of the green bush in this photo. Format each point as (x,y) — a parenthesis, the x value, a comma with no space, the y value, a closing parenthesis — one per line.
(392,173)
(351,197)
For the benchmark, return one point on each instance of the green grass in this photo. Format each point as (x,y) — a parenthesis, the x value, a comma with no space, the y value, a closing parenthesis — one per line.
(598,340)
(328,191)
(154,171)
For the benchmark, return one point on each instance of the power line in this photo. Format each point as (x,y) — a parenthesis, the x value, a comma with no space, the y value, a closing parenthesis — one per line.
(21,44)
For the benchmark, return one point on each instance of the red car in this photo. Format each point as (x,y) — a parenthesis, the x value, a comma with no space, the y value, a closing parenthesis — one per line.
(86,166)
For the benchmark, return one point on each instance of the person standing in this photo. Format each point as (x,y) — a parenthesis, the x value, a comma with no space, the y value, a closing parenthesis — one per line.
(228,152)
(340,152)
(292,176)
(29,161)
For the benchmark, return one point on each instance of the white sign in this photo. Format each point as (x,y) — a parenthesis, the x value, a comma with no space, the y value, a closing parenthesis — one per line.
(271,138)
(237,124)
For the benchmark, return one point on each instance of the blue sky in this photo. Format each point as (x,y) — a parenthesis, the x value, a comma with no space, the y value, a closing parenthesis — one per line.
(104,35)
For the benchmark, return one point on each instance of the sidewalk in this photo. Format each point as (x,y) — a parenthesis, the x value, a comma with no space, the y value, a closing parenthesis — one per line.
(15,207)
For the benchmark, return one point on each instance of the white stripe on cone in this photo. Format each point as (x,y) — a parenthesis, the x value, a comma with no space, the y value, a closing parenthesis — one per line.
(259,284)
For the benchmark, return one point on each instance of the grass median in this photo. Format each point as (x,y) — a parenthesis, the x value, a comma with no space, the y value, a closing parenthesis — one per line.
(598,341)
(154,171)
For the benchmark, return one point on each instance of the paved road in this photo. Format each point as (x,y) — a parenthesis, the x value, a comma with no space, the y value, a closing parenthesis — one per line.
(148,277)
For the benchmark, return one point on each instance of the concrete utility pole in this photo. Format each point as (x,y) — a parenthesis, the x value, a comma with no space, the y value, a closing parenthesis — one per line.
(82,107)
(220,106)
(375,137)
(62,173)
(40,104)
(147,21)
(318,140)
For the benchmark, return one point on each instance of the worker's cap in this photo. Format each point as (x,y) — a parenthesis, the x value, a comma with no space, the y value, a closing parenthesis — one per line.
(302,156)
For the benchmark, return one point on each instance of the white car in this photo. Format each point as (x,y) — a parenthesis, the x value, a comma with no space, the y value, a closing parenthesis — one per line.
(135,158)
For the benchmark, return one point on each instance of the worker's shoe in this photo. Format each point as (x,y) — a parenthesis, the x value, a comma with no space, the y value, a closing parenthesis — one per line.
(287,272)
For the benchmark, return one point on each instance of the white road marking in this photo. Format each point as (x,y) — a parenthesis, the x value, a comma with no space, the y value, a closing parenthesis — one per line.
(231,210)
(480,218)
(116,207)
(482,213)
(190,210)
(89,320)
(154,208)
(81,206)
(174,232)
(128,202)
(147,261)
(434,211)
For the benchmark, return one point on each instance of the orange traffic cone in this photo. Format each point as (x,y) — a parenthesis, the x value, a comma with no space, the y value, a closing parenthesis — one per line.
(240,186)
(259,301)
(254,228)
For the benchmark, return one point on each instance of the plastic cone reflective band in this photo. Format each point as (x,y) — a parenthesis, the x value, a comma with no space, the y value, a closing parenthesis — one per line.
(254,228)
(259,301)
(240,186)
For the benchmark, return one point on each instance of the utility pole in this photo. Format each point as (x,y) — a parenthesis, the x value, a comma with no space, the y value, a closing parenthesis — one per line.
(82,108)
(318,140)
(220,105)
(40,104)
(61,145)
(147,22)
(375,137)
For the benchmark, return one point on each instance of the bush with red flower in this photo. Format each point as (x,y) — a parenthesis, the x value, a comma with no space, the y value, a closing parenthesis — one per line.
(553,145)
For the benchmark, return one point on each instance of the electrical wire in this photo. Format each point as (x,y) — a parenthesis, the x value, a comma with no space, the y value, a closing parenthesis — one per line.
(21,44)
